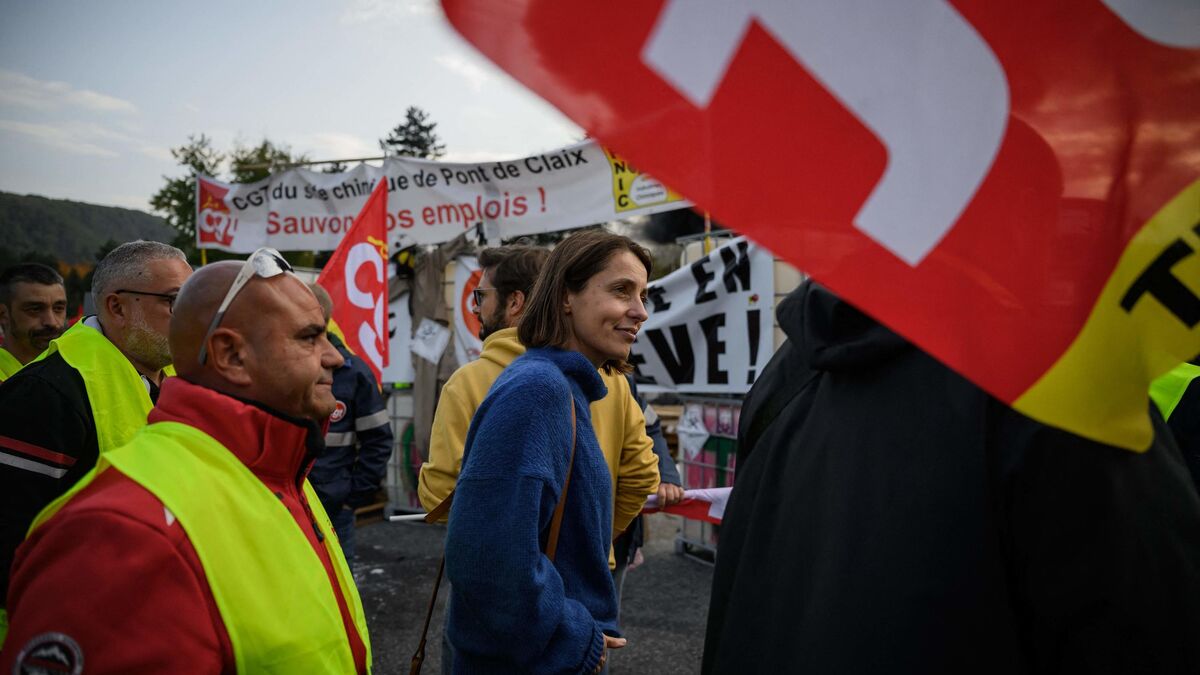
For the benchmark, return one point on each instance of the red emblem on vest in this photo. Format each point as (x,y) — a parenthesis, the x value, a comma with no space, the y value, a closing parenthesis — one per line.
(338,413)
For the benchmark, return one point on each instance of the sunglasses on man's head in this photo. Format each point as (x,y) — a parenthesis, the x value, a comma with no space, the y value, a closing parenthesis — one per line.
(265,263)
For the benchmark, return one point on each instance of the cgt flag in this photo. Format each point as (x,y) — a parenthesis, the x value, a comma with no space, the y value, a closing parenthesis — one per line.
(215,224)
(1012,186)
(356,278)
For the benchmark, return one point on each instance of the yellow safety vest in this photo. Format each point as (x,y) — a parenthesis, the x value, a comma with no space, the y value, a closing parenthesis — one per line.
(1168,389)
(116,392)
(270,586)
(9,365)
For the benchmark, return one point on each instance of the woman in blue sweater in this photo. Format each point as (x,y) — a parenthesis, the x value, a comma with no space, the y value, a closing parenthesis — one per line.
(512,609)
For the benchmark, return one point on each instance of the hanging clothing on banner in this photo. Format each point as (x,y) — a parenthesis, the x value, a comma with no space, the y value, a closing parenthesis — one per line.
(428,302)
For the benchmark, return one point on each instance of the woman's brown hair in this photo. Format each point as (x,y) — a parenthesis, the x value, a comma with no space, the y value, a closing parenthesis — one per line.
(572,263)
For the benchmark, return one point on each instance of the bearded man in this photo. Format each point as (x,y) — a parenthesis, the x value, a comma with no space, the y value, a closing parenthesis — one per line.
(33,311)
(92,388)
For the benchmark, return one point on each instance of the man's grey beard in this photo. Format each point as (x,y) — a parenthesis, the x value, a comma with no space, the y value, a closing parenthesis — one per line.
(152,349)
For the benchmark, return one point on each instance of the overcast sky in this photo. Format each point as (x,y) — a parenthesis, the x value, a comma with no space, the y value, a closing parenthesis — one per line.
(94,94)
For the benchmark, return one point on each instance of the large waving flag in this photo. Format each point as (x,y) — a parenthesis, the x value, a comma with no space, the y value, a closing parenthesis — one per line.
(356,278)
(1012,186)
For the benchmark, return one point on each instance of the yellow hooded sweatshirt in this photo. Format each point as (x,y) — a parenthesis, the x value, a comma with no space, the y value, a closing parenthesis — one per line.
(617,419)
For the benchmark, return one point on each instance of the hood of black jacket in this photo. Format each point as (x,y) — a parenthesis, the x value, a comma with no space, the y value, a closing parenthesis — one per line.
(832,334)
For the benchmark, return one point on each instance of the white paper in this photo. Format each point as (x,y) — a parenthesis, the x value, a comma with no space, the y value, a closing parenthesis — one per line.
(430,340)
(691,430)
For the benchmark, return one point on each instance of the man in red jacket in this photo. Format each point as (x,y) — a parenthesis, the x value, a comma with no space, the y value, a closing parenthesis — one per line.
(137,573)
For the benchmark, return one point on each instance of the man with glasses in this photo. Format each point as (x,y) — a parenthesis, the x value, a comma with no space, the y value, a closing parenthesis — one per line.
(199,546)
(91,390)
(507,278)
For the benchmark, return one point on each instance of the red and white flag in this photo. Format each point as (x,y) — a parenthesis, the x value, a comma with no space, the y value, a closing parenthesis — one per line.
(1013,186)
(700,504)
(215,223)
(356,279)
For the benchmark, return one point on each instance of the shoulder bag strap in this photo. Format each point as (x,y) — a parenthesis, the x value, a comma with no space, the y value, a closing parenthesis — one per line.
(441,509)
(556,521)
(444,507)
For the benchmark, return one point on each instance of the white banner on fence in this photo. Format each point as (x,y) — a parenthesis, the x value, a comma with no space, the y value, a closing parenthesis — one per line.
(711,323)
(467,344)
(428,202)
(400,367)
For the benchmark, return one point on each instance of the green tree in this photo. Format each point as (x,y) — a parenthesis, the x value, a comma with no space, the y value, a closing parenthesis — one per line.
(250,164)
(176,201)
(414,137)
(105,248)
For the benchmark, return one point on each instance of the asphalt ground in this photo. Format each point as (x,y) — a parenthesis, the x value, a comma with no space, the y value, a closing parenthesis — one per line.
(663,609)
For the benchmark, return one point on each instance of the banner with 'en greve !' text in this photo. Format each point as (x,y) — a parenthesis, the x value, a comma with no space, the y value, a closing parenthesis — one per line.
(711,323)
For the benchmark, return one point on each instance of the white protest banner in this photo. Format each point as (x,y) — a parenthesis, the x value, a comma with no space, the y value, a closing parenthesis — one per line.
(711,323)
(399,369)
(467,344)
(428,202)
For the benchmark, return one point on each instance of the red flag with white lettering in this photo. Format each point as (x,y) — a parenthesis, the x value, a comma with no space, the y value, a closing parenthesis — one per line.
(356,279)
(1012,186)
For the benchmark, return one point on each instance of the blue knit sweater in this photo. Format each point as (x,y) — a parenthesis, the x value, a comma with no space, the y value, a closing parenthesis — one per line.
(511,609)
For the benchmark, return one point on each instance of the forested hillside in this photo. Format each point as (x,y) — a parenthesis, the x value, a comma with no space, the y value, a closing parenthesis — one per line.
(71,232)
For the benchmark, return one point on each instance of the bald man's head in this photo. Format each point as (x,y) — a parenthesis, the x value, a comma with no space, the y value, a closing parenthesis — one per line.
(194,310)
(270,346)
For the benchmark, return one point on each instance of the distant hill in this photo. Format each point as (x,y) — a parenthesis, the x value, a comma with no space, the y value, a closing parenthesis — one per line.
(71,231)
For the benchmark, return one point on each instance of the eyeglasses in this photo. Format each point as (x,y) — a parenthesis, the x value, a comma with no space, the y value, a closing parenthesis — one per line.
(169,297)
(478,294)
(265,263)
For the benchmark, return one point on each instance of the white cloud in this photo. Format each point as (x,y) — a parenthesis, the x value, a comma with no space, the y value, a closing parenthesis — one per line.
(336,145)
(383,11)
(21,90)
(70,139)
(97,132)
(480,113)
(157,152)
(471,70)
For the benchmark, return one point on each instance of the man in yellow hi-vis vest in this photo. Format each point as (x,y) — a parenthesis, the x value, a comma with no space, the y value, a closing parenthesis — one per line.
(90,390)
(200,546)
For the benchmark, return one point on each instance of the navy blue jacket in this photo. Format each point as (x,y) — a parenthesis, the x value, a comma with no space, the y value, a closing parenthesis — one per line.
(359,441)
(511,609)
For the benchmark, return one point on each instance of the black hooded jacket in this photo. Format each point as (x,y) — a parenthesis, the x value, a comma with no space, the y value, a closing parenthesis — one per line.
(891,517)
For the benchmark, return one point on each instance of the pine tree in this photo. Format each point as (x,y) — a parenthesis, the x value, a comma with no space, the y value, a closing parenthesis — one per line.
(414,137)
